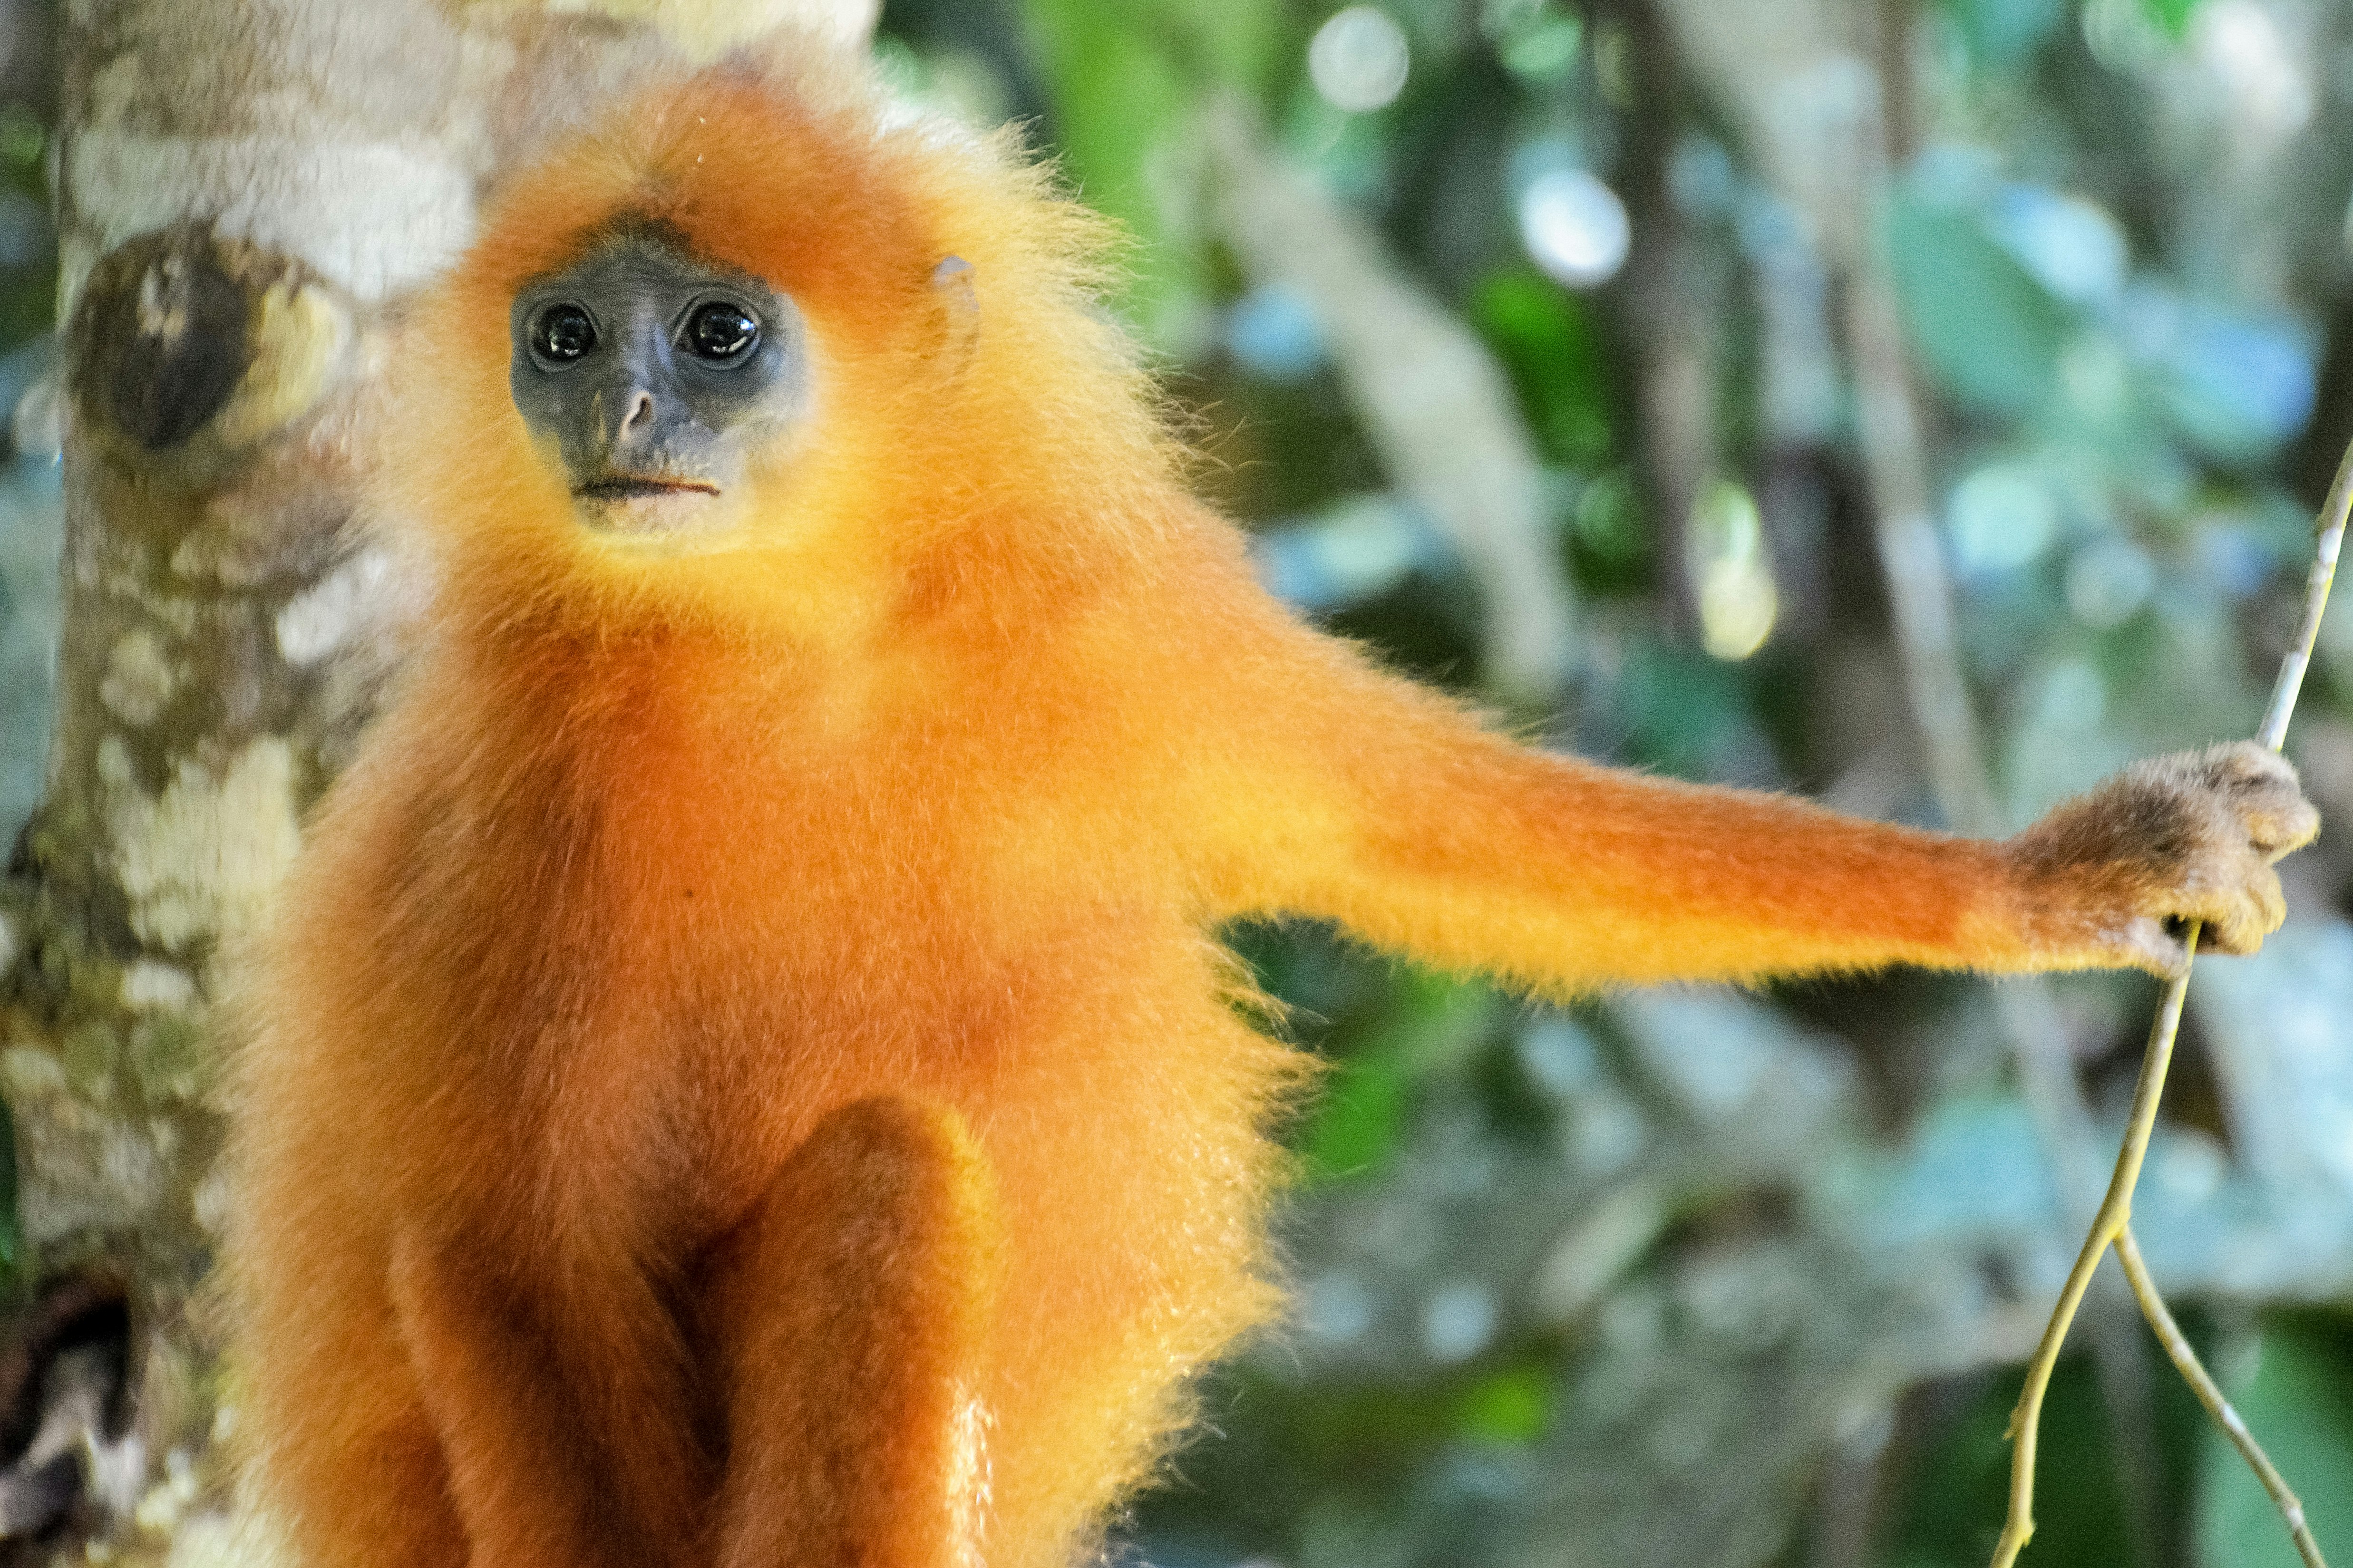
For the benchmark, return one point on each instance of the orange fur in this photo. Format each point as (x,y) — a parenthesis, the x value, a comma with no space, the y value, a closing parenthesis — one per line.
(723,964)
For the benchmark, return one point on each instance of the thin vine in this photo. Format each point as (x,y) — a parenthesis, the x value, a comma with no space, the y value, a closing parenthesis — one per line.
(2209,1395)
(2111,1226)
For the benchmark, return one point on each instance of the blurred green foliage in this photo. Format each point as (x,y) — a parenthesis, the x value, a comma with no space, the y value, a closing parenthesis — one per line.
(1984,327)
(2299,1395)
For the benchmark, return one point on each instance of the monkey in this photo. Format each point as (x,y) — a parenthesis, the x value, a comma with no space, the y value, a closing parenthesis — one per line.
(742,1071)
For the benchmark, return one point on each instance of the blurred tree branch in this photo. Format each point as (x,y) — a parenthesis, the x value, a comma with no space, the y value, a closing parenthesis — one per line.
(1433,400)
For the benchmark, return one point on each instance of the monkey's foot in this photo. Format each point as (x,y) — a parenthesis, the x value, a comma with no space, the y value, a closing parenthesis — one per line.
(2115,875)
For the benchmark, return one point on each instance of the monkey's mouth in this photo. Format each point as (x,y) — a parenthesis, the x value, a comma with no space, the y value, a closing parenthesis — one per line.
(631,486)
(644,507)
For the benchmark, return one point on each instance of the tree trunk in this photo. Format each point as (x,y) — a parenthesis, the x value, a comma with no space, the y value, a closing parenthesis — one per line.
(247,190)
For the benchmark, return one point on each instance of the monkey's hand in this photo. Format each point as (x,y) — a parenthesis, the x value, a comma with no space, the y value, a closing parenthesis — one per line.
(2114,876)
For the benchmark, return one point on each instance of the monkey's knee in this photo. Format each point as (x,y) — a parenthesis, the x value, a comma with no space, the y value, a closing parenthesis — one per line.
(847,1314)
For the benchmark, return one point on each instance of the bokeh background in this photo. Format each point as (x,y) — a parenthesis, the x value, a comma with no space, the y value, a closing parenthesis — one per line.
(1919,404)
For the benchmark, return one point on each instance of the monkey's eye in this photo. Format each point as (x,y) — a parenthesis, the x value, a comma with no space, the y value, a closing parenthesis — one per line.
(562,333)
(719,332)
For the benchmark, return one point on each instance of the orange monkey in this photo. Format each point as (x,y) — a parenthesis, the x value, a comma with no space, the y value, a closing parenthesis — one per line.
(741,1073)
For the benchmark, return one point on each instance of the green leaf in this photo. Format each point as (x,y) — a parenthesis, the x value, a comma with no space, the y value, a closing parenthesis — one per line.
(1512,1407)
(1116,97)
(1127,78)
(1685,714)
(1548,339)
(2005,32)
(2299,1404)
(1430,1021)
(1991,334)
(1357,1120)
(2173,15)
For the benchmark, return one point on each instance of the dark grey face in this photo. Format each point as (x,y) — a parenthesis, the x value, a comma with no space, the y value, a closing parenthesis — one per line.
(655,375)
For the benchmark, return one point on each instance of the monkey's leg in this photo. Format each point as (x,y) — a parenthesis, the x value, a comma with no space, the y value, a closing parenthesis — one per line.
(846,1313)
(354,1463)
(532,1484)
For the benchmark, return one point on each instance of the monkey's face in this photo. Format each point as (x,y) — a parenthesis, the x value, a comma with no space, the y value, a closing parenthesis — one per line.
(650,377)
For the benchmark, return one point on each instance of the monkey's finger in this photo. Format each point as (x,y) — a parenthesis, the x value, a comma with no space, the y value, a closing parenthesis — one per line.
(2261,788)
(2238,924)
(2267,898)
(2276,816)
(2280,830)
(2240,764)
(2230,940)
(2152,944)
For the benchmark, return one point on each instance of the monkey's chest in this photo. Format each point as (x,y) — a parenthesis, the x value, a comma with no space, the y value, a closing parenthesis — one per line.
(729,927)
(820,922)
(732,982)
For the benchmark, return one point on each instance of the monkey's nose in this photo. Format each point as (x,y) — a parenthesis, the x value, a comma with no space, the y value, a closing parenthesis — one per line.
(641,411)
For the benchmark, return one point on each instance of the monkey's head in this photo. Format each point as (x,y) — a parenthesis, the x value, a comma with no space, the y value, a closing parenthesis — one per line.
(650,377)
(765,343)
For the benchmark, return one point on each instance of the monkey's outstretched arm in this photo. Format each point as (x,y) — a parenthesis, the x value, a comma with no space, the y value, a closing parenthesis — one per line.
(1364,800)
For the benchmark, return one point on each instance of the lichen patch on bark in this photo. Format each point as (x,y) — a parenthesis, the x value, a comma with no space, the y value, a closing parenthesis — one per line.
(139,679)
(320,619)
(148,985)
(201,858)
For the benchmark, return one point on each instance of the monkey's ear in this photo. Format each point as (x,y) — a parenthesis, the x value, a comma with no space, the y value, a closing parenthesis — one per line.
(958,301)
